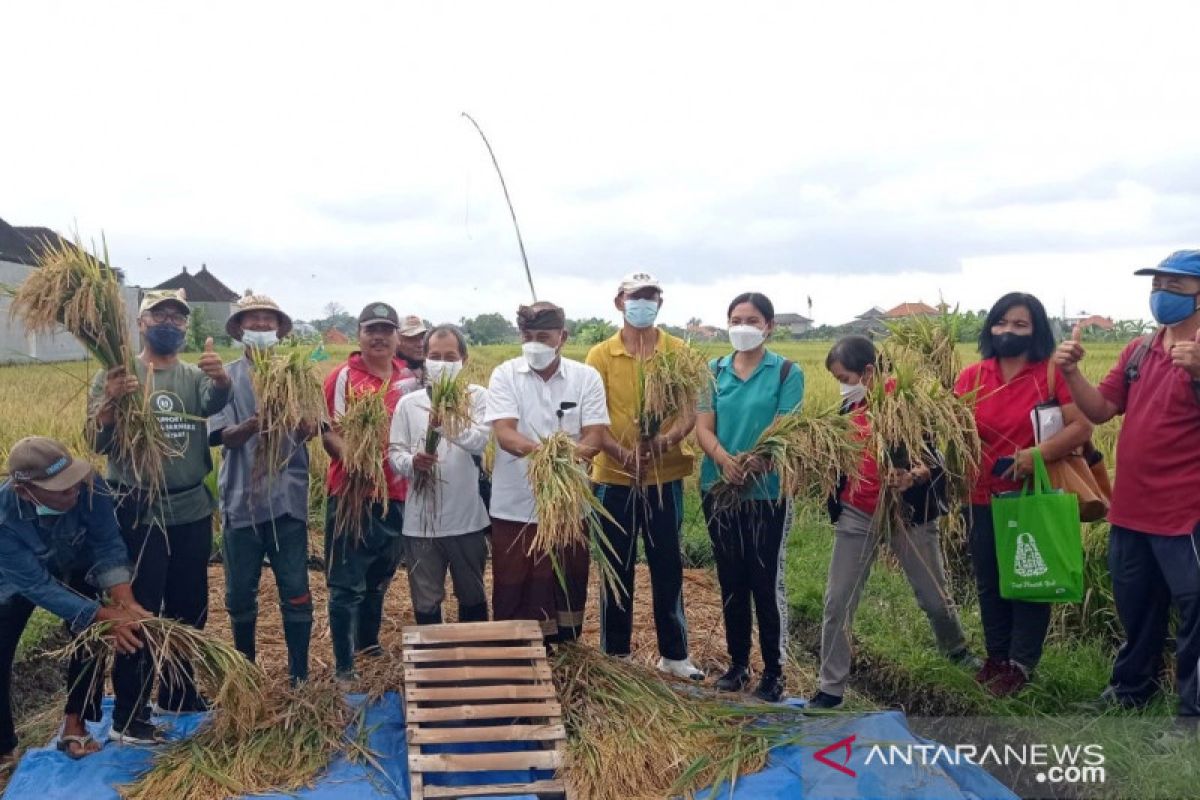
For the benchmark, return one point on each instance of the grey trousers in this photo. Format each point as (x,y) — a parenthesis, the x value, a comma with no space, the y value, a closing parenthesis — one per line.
(855,547)
(429,557)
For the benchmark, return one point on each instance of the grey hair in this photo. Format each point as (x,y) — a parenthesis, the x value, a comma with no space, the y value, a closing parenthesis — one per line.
(454,331)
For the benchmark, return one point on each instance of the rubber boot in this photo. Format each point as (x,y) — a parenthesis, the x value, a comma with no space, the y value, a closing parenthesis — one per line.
(297,635)
(475,613)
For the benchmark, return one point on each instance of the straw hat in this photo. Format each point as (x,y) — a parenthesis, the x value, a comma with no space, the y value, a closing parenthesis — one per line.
(256,302)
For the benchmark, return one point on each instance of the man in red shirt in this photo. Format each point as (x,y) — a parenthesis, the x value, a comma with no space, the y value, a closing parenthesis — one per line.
(1154,546)
(358,572)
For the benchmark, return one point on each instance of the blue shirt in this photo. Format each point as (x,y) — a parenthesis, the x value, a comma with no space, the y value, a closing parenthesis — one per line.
(248,499)
(36,551)
(746,408)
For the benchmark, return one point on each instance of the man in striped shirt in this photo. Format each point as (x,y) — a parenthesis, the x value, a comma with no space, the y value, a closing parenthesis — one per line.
(358,571)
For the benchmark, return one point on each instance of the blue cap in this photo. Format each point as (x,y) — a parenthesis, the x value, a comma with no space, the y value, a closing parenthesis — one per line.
(1181,262)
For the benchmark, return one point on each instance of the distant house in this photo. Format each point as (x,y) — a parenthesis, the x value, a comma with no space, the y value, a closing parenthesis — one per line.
(19,250)
(205,292)
(868,322)
(796,323)
(334,336)
(907,310)
(1085,321)
(704,332)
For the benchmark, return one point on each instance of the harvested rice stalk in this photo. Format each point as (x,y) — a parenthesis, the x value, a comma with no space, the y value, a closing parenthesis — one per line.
(913,419)
(449,416)
(673,381)
(568,511)
(808,451)
(364,431)
(290,398)
(931,342)
(232,684)
(298,734)
(667,741)
(80,292)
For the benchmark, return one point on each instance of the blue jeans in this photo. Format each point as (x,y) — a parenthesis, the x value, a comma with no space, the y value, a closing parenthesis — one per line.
(283,541)
(358,575)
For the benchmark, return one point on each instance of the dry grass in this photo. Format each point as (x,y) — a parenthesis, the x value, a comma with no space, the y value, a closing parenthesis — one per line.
(364,431)
(673,380)
(290,398)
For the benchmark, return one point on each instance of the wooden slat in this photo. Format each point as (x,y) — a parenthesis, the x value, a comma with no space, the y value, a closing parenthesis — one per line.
(487,733)
(484,762)
(460,654)
(507,631)
(473,712)
(541,691)
(518,672)
(497,789)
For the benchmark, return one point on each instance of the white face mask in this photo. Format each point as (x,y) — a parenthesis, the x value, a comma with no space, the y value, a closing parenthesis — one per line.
(538,355)
(746,337)
(852,393)
(260,339)
(437,370)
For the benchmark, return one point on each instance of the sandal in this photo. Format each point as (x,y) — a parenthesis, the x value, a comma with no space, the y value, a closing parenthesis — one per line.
(65,742)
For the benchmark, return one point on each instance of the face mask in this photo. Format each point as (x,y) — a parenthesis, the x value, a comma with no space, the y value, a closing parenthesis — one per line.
(1171,308)
(745,337)
(260,340)
(165,339)
(641,313)
(852,393)
(1011,345)
(47,511)
(439,370)
(538,355)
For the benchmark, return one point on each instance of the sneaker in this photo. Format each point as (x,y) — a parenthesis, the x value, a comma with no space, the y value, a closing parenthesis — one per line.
(991,669)
(770,688)
(197,705)
(137,732)
(964,658)
(822,701)
(1010,681)
(735,679)
(683,668)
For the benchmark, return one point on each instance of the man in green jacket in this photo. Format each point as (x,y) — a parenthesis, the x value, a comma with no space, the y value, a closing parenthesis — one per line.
(169,538)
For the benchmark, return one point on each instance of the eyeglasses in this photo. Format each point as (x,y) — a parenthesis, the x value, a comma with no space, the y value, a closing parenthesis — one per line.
(173,317)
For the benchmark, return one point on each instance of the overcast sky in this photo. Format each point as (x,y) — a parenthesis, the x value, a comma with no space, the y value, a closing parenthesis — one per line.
(861,154)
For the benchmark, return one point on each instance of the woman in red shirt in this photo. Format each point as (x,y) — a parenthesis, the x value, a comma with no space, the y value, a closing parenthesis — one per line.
(1012,379)
(857,539)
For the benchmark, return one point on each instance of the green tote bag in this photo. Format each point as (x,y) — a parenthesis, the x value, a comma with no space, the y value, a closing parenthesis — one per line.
(1038,542)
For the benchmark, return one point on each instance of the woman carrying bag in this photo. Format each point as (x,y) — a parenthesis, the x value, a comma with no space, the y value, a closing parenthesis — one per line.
(1007,385)
(752,387)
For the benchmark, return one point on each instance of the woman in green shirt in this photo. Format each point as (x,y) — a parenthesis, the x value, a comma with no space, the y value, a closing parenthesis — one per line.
(752,387)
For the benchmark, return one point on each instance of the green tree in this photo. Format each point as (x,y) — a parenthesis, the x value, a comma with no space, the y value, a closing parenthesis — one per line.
(489,329)
(201,326)
(594,331)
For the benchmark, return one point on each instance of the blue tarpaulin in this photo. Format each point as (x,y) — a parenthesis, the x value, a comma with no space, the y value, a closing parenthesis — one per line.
(791,772)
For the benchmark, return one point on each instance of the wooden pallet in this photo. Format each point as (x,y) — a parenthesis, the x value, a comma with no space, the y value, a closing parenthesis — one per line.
(481,682)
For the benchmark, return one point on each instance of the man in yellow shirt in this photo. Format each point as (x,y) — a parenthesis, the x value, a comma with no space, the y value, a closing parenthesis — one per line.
(640,482)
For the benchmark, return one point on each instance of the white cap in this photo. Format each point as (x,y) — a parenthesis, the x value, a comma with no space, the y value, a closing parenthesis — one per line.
(636,281)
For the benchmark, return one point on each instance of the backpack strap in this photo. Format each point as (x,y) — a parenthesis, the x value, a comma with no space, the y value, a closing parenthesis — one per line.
(1133,367)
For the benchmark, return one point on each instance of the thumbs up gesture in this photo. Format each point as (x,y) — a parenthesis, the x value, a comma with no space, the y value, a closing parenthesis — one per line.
(210,364)
(1071,352)
(1186,356)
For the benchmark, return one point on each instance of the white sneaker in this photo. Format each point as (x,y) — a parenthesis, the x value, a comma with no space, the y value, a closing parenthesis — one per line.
(681,669)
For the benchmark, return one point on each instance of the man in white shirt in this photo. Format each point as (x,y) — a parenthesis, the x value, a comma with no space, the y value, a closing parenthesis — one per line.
(529,398)
(445,521)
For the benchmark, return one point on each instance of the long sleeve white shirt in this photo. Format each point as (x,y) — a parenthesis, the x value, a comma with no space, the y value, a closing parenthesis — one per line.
(454,506)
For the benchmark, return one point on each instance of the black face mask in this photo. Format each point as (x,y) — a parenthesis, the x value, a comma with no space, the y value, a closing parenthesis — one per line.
(1011,345)
(414,363)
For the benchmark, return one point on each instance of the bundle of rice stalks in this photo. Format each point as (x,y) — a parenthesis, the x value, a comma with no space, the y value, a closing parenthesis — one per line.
(915,419)
(667,741)
(77,290)
(364,431)
(177,651)
(809,452)
(290,397)
(449,416)
(929,341)
(672,382)
(297,735)
(568,511)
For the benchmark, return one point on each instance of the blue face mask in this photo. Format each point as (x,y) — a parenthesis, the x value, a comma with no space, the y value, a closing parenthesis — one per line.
(165,339)
(47,511)
(641,313)
(1171,308)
